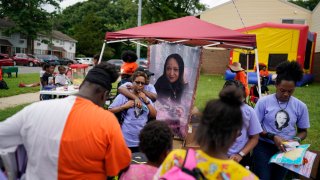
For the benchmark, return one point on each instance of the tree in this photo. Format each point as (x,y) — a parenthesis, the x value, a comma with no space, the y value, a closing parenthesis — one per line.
(308,4)
(29,17)
(160,10)
(88,21)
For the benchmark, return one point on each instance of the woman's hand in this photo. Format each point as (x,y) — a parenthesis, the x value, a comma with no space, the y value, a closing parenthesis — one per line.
(128,104)
(278,141)
(143,96)
(236,157)
(137,103)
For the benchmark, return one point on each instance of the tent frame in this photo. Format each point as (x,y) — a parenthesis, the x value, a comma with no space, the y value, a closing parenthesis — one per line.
(214,44)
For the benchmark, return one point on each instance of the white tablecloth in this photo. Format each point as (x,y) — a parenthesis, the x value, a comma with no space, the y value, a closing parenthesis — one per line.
(60,91)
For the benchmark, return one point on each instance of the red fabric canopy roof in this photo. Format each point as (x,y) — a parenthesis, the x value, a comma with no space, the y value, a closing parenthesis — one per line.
(190,28)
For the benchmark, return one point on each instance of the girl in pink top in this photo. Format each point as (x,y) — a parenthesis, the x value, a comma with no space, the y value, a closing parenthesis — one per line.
(155,143)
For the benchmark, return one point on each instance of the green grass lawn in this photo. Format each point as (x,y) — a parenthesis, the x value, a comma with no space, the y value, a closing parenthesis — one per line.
(208,88)
(13,83)
(5,113)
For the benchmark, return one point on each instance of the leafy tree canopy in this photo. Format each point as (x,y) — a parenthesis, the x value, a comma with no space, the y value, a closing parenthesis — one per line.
(29,17)
(160,10)
(88,21)
(308,4)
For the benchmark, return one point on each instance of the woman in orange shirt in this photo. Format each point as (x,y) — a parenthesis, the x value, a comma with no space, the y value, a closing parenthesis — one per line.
(241,76)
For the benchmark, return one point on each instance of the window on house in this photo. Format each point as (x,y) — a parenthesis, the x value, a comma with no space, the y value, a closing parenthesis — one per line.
(57,41)
(243,60)
(293,21)
(275,59)
(61,42)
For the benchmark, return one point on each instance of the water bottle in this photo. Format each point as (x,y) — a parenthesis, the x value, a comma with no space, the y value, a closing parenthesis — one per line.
(66,86)
(50,80)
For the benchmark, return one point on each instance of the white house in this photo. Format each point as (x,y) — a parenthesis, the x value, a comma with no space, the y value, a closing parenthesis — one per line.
(56,43)
(11,44)
(61,46)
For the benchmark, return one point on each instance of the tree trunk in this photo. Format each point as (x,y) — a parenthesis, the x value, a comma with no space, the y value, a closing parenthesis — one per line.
(30,45)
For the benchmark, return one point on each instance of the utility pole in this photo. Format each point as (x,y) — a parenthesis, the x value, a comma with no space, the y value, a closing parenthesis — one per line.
(139,24)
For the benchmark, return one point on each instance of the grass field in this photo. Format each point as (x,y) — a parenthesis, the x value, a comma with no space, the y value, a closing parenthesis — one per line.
(5,113)
(13,83)
(208,88)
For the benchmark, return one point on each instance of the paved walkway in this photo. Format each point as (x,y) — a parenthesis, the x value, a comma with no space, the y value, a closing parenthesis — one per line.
(12,101)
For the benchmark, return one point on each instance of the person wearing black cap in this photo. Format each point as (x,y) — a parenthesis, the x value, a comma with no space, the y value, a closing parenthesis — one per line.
(71,138)
(148,89)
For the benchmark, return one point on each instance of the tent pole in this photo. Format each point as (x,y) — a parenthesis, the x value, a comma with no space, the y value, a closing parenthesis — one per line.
(258,71)
(247,67)
(101,54)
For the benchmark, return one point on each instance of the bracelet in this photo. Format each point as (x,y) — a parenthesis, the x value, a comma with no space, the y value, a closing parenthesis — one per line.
(270,136)
(297,139)
(242,154)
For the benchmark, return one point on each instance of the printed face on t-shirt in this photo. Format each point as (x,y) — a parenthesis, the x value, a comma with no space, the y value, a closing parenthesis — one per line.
(282,120)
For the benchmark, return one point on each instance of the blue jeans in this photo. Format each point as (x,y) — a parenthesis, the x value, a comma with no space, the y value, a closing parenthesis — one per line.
(261,167)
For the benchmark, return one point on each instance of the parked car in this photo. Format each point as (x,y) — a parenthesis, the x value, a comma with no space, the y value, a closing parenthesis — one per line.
(85,60)
(5,60)
(117,62)
(142,63)
(66,61)
(25,59)
(50,59)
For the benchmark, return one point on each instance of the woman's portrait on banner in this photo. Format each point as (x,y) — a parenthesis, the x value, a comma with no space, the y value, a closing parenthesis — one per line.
(171,84)
(176,70)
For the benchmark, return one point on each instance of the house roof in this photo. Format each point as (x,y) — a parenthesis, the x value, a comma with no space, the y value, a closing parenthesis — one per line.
(5,23)
(59,35)
(185,30)
(315,8)
(5,42)
(59,49)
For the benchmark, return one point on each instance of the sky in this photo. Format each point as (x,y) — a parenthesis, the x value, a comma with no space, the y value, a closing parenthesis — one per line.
(209,3)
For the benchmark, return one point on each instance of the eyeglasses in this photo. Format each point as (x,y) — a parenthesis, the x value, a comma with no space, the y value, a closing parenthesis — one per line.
(139,82)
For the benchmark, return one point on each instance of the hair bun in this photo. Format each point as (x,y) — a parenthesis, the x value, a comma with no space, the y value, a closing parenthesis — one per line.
(231,95)
(290,69)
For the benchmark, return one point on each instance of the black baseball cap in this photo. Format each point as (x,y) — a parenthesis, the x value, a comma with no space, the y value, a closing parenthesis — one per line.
(149,73)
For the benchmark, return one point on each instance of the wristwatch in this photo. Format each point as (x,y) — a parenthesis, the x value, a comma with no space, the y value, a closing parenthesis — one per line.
(147,102)
(241,154)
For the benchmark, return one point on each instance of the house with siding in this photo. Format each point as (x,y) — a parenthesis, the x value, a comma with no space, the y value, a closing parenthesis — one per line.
(244,13)
(55,43)
(59,44)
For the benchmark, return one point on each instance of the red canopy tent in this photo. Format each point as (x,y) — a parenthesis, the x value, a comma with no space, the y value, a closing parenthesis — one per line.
(186,30)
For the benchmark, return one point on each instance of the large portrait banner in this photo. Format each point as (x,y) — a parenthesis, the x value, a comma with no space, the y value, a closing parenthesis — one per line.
(176,69)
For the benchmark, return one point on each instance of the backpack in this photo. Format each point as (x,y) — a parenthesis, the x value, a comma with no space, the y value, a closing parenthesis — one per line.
(3,85)
(188,171)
